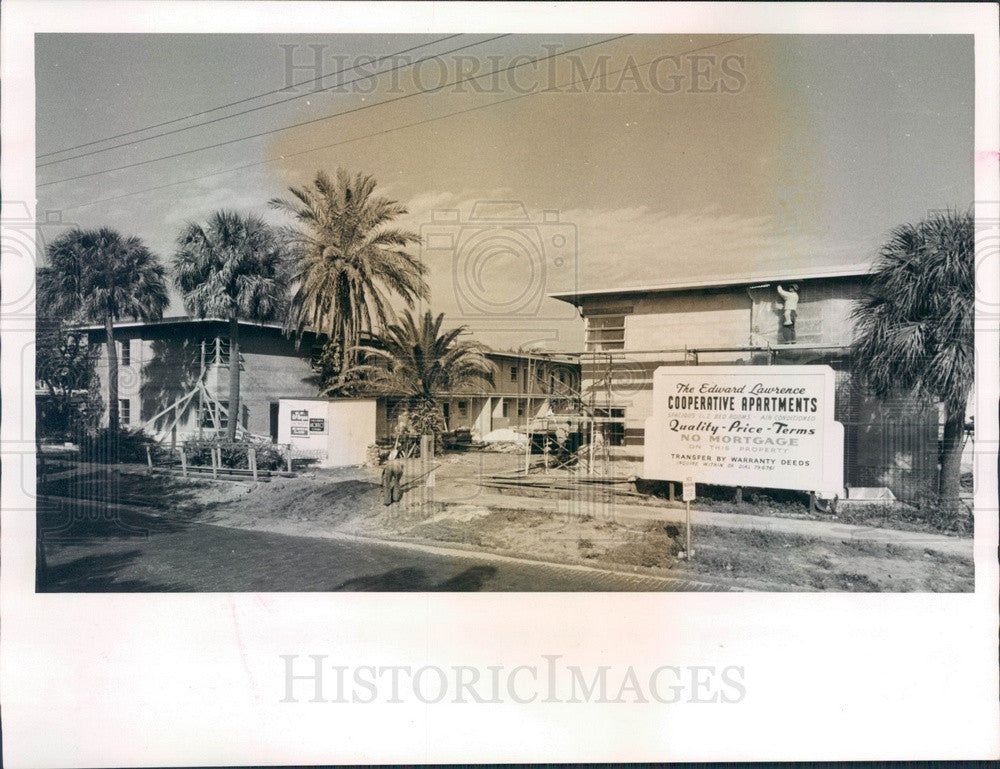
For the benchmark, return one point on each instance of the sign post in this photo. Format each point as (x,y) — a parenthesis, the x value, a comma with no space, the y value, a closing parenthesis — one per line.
(688,492)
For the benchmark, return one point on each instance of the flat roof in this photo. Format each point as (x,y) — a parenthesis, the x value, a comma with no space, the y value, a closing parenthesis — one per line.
(180,320)
(174,320)
(550,356)
(843,271)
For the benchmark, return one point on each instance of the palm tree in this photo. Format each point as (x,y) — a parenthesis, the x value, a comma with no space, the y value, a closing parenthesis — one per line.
(231,268)
(101,276)
(351,263)
(414,358)
(914,328)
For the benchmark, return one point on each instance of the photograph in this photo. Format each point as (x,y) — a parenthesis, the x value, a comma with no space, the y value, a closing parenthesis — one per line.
(504,312)
(463,383)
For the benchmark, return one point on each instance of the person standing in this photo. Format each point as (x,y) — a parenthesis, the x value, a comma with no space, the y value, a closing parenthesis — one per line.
(790,306)
(392,476)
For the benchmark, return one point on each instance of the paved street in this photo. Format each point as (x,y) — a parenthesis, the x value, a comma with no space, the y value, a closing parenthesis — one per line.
(134,553)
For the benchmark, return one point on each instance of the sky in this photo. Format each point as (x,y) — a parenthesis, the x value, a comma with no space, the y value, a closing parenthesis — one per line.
(692,157)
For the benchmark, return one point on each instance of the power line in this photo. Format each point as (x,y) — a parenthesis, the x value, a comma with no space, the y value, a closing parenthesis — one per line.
(267,106)
(233,104)
(326,117)
(387,130)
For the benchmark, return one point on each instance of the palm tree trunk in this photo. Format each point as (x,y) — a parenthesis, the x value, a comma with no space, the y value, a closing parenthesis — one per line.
(950,480)
(234,376)
(109,333)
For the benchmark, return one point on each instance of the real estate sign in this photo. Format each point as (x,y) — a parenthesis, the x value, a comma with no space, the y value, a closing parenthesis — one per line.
(764,426)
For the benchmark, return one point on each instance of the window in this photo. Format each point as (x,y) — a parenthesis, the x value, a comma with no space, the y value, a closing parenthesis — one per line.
(614,432)
(221,351)
(513,374)
(562,377)
(520,409)
(605,332)
(462,407)
(209,412)
(125,352)
(503,408)
(124,411)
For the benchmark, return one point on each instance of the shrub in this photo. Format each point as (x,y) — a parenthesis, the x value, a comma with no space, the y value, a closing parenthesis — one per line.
(104,446)
(235,454)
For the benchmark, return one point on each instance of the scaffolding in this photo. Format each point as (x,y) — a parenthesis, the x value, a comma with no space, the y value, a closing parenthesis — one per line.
(207,402)
(594,418)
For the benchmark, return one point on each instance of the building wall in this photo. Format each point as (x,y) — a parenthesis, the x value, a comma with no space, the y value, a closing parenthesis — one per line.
(702,318)
(166,360)
(824,312)
(334,432)
(548,376)
(482,414)
(551,382)
(890,445)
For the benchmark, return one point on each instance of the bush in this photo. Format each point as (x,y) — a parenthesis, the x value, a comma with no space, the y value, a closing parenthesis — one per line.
(105,447)
(235,454)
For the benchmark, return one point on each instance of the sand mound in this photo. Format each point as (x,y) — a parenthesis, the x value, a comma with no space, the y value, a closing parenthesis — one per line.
(505,440)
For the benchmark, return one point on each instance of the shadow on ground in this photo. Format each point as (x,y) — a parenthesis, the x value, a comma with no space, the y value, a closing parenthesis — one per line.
(95,574)
(413,579)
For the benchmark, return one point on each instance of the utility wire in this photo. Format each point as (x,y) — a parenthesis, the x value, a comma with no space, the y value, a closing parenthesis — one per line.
(233,104)
(326,117)
(438,118)
(267,106)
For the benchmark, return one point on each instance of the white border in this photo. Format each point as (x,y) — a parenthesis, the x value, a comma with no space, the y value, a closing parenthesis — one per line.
(142,680)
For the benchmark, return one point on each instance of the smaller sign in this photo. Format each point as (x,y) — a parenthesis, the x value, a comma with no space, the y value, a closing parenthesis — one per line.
(300,415)
(300,431)
(688,491)
(317,425)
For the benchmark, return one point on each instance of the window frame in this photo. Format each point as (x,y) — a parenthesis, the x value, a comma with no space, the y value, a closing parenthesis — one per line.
(596,337)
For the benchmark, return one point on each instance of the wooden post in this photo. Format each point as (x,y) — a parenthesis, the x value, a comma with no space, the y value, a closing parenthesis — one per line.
(527,445)
(216,461)
(527,415)
(687,516)
(184,464)
(426,460)
(689,492)
(252,461)
(149,460)
(288,456)
(738,498)
(671,491)
(201,396)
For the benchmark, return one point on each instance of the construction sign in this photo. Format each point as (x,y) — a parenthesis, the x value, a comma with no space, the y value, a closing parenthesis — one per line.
(764,426)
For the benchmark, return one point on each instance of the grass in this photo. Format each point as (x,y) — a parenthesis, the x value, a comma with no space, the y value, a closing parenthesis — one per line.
(751,558)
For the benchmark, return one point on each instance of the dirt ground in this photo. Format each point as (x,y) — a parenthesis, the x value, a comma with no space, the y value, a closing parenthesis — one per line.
(349,501)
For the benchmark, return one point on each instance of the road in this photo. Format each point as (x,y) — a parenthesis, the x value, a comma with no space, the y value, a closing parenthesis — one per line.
(140,554)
